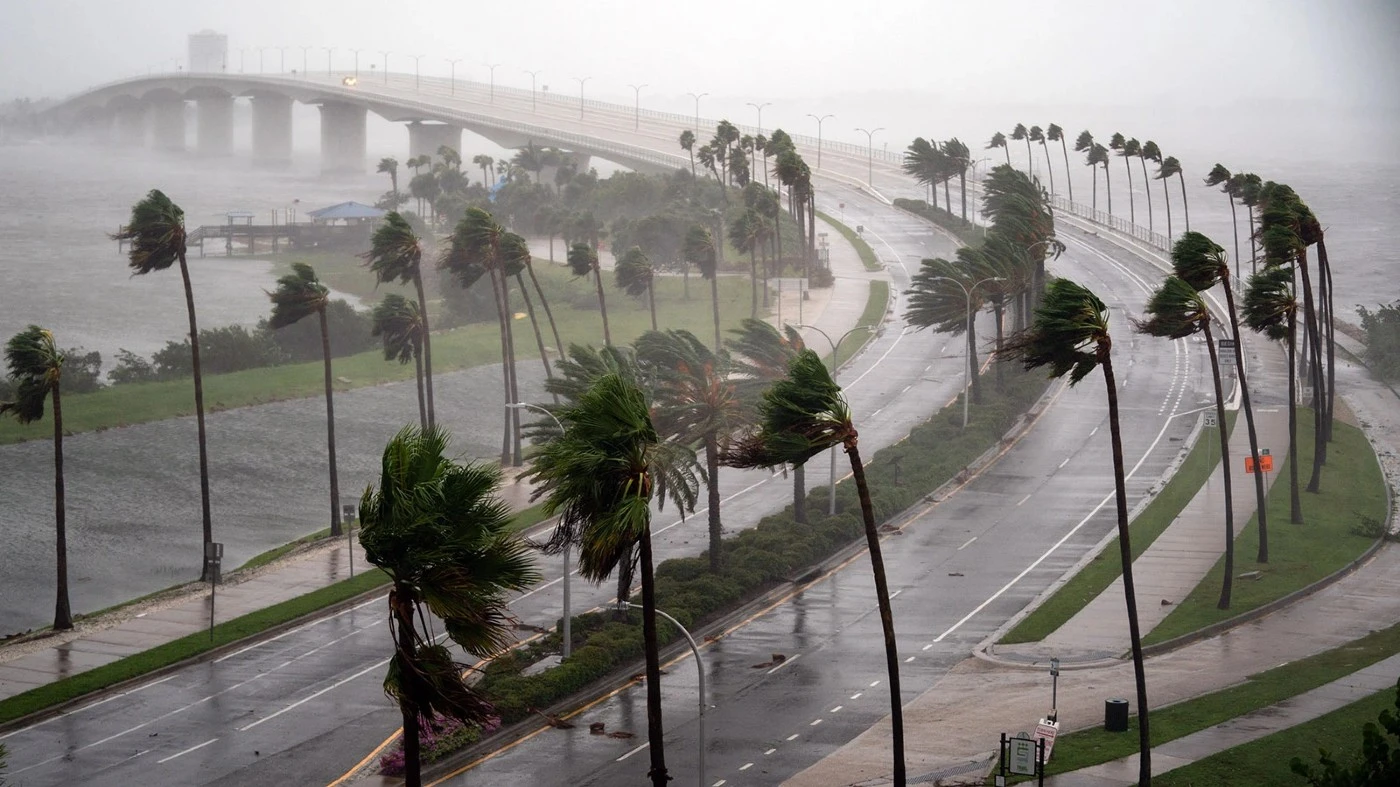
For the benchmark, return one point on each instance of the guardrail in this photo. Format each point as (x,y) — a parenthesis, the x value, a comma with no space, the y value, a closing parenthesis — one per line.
(1154,239)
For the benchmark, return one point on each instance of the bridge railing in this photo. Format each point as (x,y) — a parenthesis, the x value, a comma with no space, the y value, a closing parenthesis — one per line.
(1117,223)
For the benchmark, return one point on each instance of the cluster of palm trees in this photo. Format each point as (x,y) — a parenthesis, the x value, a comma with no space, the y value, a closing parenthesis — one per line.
(934,162)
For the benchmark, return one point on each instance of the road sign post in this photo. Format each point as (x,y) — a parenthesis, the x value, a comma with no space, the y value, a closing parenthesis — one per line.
(213,558)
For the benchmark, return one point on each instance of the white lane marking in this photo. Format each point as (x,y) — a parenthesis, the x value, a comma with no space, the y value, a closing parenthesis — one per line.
(634,751)
(911,658)
(1024,499)
(186,751)
(815,723)
(88,707)
(785,663)
(770,751)
(746,766)
(719,783)
(792,737)
(880,360)
(296,630)
(697,512)
(835,709)
(305,700)
(1062,464)
(896,593)
(874,683)
(968,543)
(898,257)
(1096,431)
(1057,544)
(926,647)
(907,387)
(856,696)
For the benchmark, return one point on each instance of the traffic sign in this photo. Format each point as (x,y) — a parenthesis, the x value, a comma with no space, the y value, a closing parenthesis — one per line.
(1045,732)
(1211,421)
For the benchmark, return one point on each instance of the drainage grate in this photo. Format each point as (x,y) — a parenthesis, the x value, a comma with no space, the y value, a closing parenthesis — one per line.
(956,770)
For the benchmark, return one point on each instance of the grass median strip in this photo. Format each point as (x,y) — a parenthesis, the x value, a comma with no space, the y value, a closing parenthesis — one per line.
(875,305)
(1101,572)
(867,254)
(186,647)
(1094,746)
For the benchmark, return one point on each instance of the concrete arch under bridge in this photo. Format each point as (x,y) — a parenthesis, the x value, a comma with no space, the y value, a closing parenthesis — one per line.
(152,111)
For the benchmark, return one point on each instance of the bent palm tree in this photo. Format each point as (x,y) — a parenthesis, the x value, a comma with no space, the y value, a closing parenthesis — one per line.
(1150,152)
(1129,148)
(1176,310)
(156,237)
(939,298)
(698,249)
(1166,168)
(390,166)
(761,356)
(399,322)
(1036,134)
(1271,308)
(688,145)
(1021,134)
(36,367)
(583,261)
(1070,335)
(800,416)
(998,140)
(1054,133)
(445,540)
(599,477)
(396,253)
(300,294)
(635,275)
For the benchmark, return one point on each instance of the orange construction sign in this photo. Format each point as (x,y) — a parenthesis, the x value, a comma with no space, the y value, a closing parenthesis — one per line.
(1266,463)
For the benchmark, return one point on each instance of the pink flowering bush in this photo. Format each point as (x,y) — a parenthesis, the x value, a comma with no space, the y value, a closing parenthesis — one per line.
(438,737)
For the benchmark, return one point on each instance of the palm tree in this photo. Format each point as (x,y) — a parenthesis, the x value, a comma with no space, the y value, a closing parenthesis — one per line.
(1127,148)
(698,249)
(635,275)
(998,140)
(939,298)
(1070,335)
(1054,133)
(1176,310)
(1229,186)
(485,162)
(36,367)
(1099,155)
(515,255)
(1085,144)
(688,145)
(1250,187)
(697,401)
(1166,168)
(445,539)
(761,356)
(1036,134)
(599,477)
(746,232)
(922,162)
(1201,263)
(1271,308)
(583,260)
(527,264)
(1020,133)
(400,323)
(390,166)
(959,159)
(396,253)
(800,416)
(1140,150)
(156,240)
(299,295)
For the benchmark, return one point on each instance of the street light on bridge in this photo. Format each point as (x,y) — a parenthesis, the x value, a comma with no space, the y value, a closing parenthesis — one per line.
(330,52)
(417,81)
(580,81)
(282,57)
(819,120)
(760,107)
(492,67)
(637,106)
(870,155)
(453,61)
(697,110)
(533,75)
(386,65)
(357,63)
(305,54)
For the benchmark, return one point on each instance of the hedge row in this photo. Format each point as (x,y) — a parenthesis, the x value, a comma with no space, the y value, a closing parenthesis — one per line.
(966,231)
(773,552)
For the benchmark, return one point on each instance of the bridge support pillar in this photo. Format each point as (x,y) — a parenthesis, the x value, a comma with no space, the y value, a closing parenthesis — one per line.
(214,133)
(342,138)
(424,139)
(129,126)
(168,125)
(272,130)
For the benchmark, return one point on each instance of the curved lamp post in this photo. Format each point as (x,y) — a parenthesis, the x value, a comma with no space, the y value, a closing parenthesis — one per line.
(870,154)
(330,56)
(386,65)
(533,75)
(637,106)
(967,351)
(581,81)
(820,120)
(831,502)
(697,97)
(700,669)
(493,67)
(452,80)
(568,621)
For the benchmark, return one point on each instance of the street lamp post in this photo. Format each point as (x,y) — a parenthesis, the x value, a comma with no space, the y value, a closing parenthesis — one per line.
(533,75)
(330,53)
(831,503)
(819,120)
(452,80)
(568,620)
(492,67)
(357,62)
(580,81)
(700,670)
(870,154)
(262,58)
(637,106)
(417,80)
(760,107)
(386,65)
(282,58)
(967,351)
(241,51)
(305,54)
(1054,689)
(697,97)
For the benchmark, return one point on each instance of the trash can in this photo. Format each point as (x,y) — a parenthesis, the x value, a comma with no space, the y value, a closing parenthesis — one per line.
(1115,715)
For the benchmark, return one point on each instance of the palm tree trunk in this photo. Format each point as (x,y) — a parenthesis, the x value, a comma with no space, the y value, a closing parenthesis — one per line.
(199,413)
(1314,338)
(1147,189)
(651,303)
(1185,206)
(330,423)
(1007,150)
(655,732)
(1108,187)
(418,376)
(548,313)
(1132,208)
(962,192)
(1295,501)
(602,305)
(714,300)
(427,382)
(1069,181)
(882,596)
(1253,255)
(1030,160)
(753,282)
(1325,272)
(505,368)
(1094,177)
(507,317)
(999,307)
(973,371)
(1262,508)
(948,194)
(1049,169)
(62,611)
(1225,585)
(1125,554)
(1167,195)
(712,490)
(799,493)
(766,267)
(535,326)
(408,708)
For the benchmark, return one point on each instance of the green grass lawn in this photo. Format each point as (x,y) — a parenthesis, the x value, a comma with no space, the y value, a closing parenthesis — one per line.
(1104,569)
(1266,761)
(1352,488)
(867,254)
(1093,746)
(575,306)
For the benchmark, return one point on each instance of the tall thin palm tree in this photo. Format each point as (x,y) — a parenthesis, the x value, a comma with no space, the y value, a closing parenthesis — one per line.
(746,232)
(1140,149)
(399,323)
(959,161)
(1166,167)
(299,295)
(636,276)
(1085,144)
(486,163)
(1054,133)
(800,416)
(600,477)
(1020,133)
(1271,308)
(583,261)
(445,539)
(1099,155)
(1036,134)
(1250,187)
(36,366)
(998,140)
(939,297)
(698,249)
(921,163)
(156,240)
(761,356)
(390,166)
(1128,148)
(1070,335)
(396,254)
(515,255)
(1174,311)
